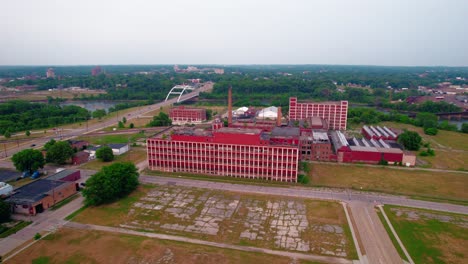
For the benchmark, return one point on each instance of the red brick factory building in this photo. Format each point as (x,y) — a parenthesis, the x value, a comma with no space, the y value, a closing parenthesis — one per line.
(271,150)
(335,113)
(182,115)
(233,152)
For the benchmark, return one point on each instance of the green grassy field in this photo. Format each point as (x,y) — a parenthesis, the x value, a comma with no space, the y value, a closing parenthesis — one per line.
(451,147)
(134,155)
(431,236)
(437,185)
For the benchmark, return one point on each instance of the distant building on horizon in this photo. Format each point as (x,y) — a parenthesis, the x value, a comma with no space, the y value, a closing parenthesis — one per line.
(219,71)
(96,71)
(50,73)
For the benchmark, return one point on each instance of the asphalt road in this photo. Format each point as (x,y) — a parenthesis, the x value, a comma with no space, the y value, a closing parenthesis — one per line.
(373,236)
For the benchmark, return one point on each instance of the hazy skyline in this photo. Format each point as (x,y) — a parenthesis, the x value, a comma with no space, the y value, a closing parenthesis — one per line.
(365,32)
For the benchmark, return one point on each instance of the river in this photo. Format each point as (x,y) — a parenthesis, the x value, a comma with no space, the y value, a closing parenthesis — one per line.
(92,105)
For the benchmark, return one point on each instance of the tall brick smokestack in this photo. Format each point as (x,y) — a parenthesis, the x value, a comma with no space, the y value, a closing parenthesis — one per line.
(230,106)
(278,118)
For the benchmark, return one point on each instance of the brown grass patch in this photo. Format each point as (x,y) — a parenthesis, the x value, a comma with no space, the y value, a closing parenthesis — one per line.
(82,246)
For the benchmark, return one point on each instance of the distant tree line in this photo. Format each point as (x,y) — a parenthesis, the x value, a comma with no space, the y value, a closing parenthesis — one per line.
(22,115)
(265,84)
(428,121)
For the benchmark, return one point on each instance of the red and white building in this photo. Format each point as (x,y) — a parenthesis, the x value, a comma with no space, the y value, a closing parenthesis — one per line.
(371,151)
(182,115)
(233,152)
(335,113)
(377,132)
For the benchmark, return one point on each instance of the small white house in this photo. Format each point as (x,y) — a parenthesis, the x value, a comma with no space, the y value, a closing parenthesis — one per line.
(119,149)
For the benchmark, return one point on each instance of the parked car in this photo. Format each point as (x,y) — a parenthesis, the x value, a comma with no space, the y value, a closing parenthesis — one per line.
(35,175)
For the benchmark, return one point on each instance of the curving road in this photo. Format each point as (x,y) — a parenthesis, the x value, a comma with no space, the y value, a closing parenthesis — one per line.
(139,111)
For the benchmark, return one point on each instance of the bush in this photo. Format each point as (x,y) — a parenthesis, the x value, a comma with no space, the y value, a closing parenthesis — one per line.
(383,162)
(432,131)
(303,179)
(431,152)
(5,211)
(37,236)
(427,153)
(464,128)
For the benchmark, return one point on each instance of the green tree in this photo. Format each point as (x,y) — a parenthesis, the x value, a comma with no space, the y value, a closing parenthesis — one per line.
(7,133)
(59,152)
(464,128)
(28,133)
(132,125)
(209,114)
(426,120)
(121,124)
(5,211)
(105,154)
(162,119)
(28,160)
(124,120)
(49,144)
(445,125)
(111,183)
(99,114)
(410,140)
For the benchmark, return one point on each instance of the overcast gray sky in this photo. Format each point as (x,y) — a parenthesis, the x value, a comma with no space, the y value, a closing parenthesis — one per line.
(370,32)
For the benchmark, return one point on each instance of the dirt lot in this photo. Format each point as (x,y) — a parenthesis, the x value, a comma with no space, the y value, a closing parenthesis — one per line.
(306,226)
(81,246)
(430,236)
